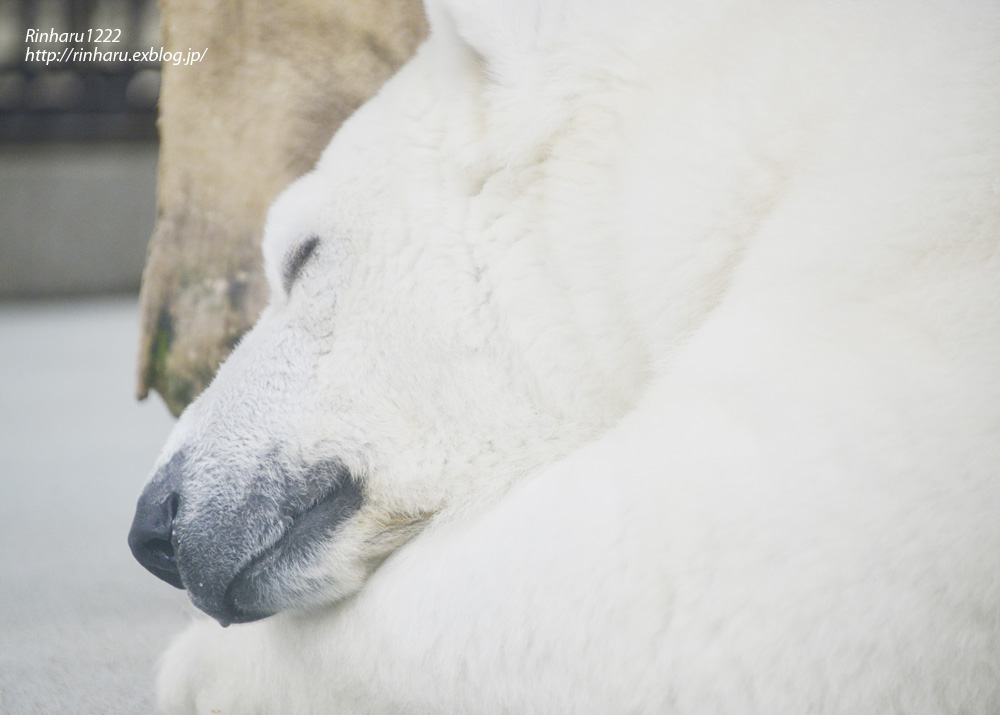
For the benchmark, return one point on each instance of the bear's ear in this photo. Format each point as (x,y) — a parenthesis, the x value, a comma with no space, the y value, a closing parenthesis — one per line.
(506,36)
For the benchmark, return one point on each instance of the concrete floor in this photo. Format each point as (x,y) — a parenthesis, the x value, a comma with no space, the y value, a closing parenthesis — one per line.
(81,623)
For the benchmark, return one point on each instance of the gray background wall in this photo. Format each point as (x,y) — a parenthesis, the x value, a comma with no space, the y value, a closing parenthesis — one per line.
(75,218)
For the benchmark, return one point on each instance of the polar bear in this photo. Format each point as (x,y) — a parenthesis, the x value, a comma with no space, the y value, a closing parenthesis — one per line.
(621,358)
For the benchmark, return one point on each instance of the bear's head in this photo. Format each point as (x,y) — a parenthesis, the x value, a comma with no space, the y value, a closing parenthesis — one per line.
(444,319)
(385,385)
(371,396)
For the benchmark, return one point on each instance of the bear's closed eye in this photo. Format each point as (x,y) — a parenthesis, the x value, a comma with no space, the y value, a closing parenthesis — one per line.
(296,260)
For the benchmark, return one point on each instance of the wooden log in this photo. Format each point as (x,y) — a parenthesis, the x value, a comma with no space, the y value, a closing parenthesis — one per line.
(276,81)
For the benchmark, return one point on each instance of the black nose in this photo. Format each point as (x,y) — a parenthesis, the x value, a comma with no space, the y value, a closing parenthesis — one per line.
(151,536)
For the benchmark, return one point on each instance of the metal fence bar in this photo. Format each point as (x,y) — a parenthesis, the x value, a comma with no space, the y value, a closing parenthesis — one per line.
(74,70)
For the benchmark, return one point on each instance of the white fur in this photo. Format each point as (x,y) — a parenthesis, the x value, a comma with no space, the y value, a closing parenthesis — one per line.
(683,320)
